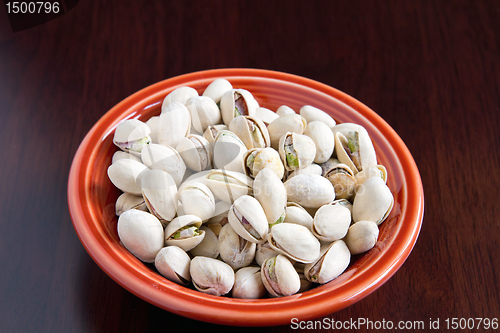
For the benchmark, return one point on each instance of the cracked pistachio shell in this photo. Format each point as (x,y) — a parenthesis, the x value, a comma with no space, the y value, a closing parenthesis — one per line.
(228,186)
(251,130)
(298,215)
(312,168)
(371,171)
(121,155)
(302,151)
(153,126)
(123,174)
(295,241)
(248,219)
(271,194)
(173,263)
(364,147)
(264,252)
(280,277)
(174,124)
(128,201)
(267,116)
(141,233)
(341,177)
(333,261)
(343,202)
(288,123)
(195,152)
(211,132)
(165,158)
(204,112)
(131,136)
(209,246)
(179,222)
(323,139)
(311,113)
(217,88)
(361,237)
(236,251)
(373,201)
(180,95)
(284,110)
(248,283)
(310,190)
(228,151)
(197,199)
(237,102)
(211,276)
(160,193)
(256,159)
(331,222)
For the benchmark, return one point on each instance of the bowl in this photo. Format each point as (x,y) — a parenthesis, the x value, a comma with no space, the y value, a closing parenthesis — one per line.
(91,199)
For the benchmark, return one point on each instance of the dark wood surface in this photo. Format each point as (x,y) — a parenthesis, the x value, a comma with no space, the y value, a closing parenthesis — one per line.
(430,68)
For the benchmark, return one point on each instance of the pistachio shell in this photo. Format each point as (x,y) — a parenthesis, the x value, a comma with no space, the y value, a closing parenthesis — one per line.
(311,113)
(341,177)
(280,277)
(296,151)
(237,102)
(173,263)
(141,233)
(217,88)
(209,246)
(228,185)
(197,199)
(165,158)
(160,193)
(256,159)
(264,252)
(195,152)
(128,201)
(331,222)
(181,95)
(236,251)
(251,130)
(121,155)
(131,135)
(190,241)
(248,219)
(267,116)
(298,215)
(153,126)
(228,152)
(271,194)
(295,241)
(361,237)
(310,169)
(310,190)
(323,139)
(287,123)
(174,124)
(123,174)
(371,171)
(360,141)
(333,261)
(211,276)
(204,112)
(284,109)
(373,201)
(248,283)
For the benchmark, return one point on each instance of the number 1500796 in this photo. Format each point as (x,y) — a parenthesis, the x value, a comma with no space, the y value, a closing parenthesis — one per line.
(471,323)
(32,7)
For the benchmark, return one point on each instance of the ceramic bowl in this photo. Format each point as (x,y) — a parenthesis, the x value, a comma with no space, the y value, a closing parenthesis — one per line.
(92,197)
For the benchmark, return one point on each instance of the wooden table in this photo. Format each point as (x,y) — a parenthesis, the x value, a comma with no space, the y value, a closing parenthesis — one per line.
(430,68)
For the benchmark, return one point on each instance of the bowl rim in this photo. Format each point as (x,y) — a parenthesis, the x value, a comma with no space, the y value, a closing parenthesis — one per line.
(192,304)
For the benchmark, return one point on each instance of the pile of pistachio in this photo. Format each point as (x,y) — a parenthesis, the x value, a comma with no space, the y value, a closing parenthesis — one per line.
(232,198)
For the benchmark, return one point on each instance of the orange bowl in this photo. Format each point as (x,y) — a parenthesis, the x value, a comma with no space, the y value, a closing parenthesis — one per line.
(91,198)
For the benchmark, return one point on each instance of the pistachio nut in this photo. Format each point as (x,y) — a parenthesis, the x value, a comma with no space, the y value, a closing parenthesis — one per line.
(251,130)
(343,202)
(297,151)
(354,147)
(153,126)
(180,94)
(209,246)
(197,199)
(331,222)
(174,124)
(295,213)
(310,190)
(264,252)
(284,109)
(256,159)
(361,237)
(312,168)
(236,251)
(341,177)
(371,171)
(195,152)
(333,261)
(184,232)
(173,263)
(141,233)
(267,116)
(271,194)
(211,276)
(288,123)
(204,112)
(165,158)
(237,102)
(121,155)
(311,113)
(280,277)
(211,132)
(248,283)
(131,136)
(128,201)
(123,174)
(228,185)
(248,219)
(323,139)
(228,152)
(295,241)
(373,201)
(160,193)
(217,88)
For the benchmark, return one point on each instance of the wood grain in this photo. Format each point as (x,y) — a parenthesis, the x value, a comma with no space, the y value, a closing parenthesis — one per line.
(430,68)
